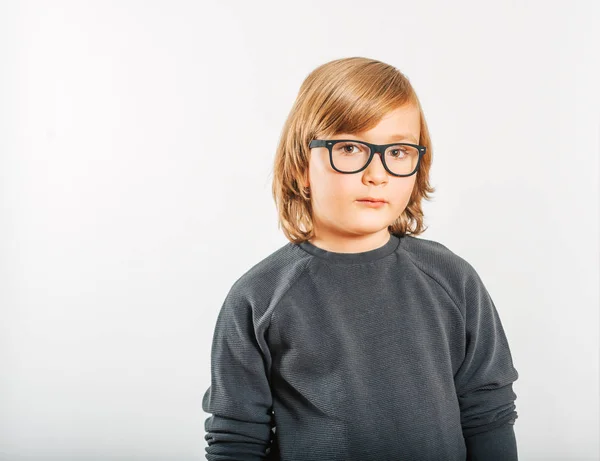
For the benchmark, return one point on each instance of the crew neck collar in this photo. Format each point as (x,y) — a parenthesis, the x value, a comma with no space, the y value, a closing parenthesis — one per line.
(352,258)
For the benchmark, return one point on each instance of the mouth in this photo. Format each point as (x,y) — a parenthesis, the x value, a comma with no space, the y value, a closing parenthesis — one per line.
(372,203)
(371,200)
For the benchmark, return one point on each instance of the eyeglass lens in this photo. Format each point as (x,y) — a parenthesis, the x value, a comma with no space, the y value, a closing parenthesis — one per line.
(352,156)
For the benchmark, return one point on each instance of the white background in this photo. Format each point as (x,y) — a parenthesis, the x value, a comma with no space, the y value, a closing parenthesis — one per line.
(137,141)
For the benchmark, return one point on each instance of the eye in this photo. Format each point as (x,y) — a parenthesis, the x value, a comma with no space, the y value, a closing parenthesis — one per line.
(350,148)
(400,152)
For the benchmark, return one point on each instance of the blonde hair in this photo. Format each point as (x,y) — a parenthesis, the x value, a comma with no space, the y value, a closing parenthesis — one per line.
(342,96)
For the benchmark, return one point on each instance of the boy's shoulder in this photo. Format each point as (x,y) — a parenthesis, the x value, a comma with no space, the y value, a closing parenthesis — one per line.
(272,275)
(437,259)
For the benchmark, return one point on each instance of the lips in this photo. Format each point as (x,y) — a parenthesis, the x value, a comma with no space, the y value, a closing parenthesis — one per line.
(372,203)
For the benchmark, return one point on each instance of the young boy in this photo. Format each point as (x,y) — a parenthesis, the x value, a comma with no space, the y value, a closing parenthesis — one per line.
(357,340)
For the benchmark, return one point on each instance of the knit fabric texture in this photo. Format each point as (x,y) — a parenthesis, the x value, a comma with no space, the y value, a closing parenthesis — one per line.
(396,353)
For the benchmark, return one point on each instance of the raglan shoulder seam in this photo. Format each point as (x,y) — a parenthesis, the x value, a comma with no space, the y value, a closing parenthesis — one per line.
(301,272)
(418,266)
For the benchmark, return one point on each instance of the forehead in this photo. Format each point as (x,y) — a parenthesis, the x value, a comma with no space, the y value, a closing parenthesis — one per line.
(401,124)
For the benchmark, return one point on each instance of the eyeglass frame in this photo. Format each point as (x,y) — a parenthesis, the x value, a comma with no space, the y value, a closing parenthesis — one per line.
(375,148)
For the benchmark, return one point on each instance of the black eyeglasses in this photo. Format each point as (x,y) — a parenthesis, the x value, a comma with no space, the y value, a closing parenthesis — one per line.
(352,156)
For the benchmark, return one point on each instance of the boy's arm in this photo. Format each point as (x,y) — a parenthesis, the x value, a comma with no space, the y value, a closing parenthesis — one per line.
(239,396)
(494,445)
(484,380)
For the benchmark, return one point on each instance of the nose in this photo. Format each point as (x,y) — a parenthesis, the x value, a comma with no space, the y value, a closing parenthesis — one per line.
(375,171)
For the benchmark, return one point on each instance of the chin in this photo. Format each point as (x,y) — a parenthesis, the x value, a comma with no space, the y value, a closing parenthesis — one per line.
(372,225)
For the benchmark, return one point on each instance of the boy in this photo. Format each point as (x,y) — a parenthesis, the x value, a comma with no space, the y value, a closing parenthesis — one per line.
(357,340)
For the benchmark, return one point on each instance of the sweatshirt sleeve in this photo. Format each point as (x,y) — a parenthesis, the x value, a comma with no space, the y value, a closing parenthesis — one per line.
(239,397)
(484,380)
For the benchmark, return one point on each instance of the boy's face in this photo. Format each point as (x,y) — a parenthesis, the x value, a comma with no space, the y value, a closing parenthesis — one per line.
(342,222)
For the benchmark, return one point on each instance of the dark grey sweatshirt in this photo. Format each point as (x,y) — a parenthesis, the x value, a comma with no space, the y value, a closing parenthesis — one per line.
(396,353)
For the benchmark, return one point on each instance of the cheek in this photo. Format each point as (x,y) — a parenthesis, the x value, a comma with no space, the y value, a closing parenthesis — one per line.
(334,186)
(347,186)
(403,191)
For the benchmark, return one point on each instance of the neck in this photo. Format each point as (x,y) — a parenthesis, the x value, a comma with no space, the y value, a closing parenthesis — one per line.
(348,243)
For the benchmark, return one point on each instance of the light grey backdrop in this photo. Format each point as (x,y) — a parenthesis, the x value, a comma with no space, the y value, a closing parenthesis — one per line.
(137,141)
